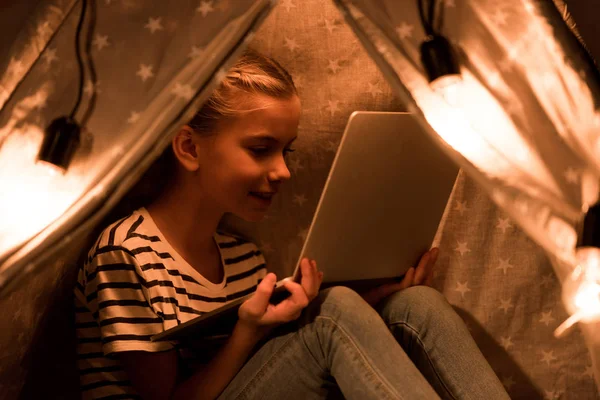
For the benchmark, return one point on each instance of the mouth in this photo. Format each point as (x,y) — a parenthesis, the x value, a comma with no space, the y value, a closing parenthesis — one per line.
(263,197)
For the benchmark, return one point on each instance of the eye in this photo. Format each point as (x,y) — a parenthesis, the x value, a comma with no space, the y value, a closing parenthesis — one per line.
(259,150)
(288,151)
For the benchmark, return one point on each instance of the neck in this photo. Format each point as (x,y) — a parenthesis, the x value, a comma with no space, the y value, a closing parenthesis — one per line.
(186,221)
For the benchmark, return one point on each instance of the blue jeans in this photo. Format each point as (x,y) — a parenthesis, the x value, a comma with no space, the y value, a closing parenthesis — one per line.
(414,346)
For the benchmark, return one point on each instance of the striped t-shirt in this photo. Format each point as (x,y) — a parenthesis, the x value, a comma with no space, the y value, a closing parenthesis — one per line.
(134,285)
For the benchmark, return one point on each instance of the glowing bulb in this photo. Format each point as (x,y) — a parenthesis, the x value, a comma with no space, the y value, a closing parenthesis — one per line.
(581,290)
(468,117)
(448,86)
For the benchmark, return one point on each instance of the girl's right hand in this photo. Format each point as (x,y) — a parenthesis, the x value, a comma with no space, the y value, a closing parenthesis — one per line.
(257,312)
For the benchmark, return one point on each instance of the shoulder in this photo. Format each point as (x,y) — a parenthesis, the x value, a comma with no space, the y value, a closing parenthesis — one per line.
(120,237)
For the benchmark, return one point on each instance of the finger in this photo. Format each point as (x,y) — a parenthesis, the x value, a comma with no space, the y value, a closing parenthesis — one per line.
(310,280)
(422,268)
(290,308)
(384,291)
(297,296)
(408,279)
(434,252)
(258,303)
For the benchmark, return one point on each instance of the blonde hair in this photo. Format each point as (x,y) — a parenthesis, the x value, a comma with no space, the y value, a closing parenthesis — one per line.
(253,74)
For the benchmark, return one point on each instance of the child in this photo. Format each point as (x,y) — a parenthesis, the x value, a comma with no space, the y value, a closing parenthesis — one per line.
(164,265)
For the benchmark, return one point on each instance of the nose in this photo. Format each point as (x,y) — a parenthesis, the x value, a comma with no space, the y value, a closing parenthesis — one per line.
(279,171)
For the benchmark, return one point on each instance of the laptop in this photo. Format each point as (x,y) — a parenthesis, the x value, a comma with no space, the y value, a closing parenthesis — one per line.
(379,211)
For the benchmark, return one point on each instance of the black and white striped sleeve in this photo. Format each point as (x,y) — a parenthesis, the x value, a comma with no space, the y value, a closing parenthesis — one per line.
(114,294)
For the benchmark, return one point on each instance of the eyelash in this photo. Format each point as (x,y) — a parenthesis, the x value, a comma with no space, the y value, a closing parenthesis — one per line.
(261,151)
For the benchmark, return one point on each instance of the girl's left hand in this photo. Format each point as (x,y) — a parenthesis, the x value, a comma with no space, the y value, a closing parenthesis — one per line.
(422,275)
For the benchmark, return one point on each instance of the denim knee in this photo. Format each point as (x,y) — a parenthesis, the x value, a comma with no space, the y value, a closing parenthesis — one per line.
(341,296)
(338,302)
(417,305)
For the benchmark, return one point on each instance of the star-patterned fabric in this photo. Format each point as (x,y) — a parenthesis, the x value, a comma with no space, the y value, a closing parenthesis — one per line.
(498,280)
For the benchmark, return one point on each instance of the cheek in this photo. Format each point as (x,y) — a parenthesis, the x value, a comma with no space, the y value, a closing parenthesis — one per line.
(242,173)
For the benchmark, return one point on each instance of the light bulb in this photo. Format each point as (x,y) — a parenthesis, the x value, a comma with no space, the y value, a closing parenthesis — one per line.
(448,86)
(581,290)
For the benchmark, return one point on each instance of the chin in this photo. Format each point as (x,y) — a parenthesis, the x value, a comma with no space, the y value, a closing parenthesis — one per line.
(252,216)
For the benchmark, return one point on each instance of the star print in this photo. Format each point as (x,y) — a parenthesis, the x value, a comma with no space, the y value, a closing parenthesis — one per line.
(44,28)
(373,89)
(100,41)
(299,199)
(505,305)
(500,17)
(504,265)
(291,44)
(196,52)
(332,106)
(154,24)
(133,117)
(15,66)
(589,371)
(266,248)
(571,175)
(303,233)
(40,99)
(183,91)
(508,382)
(546,318)
(330,25)
(288,5)
(333,66)
(404,30)
(503,224)
(295,164)
(552,395)
(548,357)
(462,248)
(205,8)
(547,280)
(145,72)
(17,314)
(330,145)
(461,207)
(462,288)
(49,56)
(506,342)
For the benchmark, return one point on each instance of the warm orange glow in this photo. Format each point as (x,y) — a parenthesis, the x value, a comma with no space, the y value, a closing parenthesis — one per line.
(581,291)
(470,119)
(33,194)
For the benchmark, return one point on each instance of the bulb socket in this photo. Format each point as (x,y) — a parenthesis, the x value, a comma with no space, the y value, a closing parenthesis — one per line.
(61,139)
(438,58)
(589,232)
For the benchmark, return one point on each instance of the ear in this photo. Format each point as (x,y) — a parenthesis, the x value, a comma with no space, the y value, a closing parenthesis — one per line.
(185,148)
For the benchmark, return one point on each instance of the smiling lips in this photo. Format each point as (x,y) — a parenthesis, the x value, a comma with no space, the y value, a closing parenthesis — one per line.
(263,195)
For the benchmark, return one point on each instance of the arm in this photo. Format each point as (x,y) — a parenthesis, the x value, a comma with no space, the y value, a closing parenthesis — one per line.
(155,375)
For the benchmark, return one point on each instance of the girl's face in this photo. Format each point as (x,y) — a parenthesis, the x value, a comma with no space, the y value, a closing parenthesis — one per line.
(243,164)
